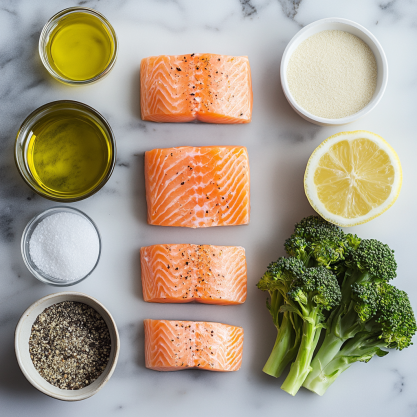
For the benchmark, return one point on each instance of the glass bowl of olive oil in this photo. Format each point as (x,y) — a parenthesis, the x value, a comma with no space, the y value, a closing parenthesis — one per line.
(78,46)
(65,151)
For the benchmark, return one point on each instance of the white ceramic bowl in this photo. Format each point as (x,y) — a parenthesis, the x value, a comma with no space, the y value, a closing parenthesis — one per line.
(334,23)
(22,334)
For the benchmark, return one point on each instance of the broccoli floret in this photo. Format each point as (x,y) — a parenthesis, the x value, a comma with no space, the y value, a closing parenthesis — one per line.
(317,242)
(316,229)
(392,326)
(369,265)
(314,293)
(353,241)
(395,319)
(374,260)
(366,299)
(277,280)
(371,261)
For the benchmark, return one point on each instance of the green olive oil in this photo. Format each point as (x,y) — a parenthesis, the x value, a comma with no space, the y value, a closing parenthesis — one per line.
(80,47)
(68,154)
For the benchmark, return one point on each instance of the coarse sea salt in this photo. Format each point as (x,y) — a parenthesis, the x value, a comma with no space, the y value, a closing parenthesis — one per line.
(65,246)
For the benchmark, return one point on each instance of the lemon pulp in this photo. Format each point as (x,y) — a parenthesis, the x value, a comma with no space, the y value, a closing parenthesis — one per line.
(80,47)
(353,177)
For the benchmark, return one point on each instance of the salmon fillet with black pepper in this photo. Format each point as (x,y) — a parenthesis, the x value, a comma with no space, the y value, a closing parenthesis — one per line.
(178,345)
(206,87)
(198,186)
(185,273)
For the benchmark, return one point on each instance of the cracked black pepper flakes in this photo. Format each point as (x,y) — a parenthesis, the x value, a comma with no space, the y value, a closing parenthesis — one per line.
(70,345)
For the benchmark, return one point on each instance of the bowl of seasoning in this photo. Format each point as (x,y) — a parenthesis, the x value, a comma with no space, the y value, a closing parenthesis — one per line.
(61,246)
(65,151)
(78,46)
(67,345)
(333,71)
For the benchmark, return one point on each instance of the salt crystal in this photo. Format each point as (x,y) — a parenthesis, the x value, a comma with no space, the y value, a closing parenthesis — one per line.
(65,246)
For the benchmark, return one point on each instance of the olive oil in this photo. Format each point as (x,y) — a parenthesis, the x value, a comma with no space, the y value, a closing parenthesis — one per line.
(68,153)
(80,47)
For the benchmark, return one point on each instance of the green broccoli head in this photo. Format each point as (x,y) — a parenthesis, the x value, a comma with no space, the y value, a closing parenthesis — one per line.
(297,247)
(281,274)
(317,239)
(318,286)
(386,312)
(366,298)
(376,259)
(353,241)
(316,229)
(396,318)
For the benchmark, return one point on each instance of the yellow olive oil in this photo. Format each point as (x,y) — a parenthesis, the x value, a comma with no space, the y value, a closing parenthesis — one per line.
(80,47)
(68,153)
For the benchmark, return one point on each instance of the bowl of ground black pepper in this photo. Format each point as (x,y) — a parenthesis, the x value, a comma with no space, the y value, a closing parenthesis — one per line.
(67,345)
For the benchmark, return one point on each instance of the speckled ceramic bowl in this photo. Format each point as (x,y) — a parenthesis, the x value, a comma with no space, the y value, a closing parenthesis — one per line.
(22,335)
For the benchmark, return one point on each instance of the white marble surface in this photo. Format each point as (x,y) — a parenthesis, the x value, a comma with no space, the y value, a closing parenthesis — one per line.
(279,143)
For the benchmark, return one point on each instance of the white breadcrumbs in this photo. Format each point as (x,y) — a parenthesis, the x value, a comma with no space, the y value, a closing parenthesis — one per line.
(332,74)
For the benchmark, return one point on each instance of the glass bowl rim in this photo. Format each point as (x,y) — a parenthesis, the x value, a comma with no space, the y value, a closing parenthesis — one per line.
(49,26)
(30,228)
(112,138)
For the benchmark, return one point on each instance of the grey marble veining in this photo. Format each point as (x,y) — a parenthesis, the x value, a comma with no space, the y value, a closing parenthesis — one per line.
(279,144)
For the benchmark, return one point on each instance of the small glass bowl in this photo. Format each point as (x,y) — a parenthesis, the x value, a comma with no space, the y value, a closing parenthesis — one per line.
(25,132)
(50,26)
(27,234)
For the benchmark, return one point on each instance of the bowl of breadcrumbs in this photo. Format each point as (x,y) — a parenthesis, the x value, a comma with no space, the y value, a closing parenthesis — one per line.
(333,72)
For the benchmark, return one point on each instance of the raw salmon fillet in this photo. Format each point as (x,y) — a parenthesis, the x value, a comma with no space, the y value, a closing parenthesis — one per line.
(197,187)
(184,273)
(178,345)
(206,87)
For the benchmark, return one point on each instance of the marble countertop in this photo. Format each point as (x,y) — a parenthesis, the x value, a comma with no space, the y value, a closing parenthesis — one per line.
(279,143)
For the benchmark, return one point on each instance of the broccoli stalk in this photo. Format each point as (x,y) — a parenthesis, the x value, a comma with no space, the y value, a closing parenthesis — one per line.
(285,347)
(392,326)
(361,348)
(277,281)
(301,366)
(314,292)
(371,262)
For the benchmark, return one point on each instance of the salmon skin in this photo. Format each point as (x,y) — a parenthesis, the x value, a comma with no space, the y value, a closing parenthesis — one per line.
(185,273)
(198,187)
(178,345)
(206,87)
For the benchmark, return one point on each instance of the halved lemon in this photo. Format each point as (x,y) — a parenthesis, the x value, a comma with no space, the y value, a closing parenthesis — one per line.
(352,177)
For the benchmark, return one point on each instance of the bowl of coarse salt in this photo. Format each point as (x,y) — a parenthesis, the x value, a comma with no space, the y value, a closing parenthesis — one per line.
(61,246)
(333,72)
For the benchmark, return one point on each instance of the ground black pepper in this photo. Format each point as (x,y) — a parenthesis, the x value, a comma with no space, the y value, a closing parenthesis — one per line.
(70,345)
